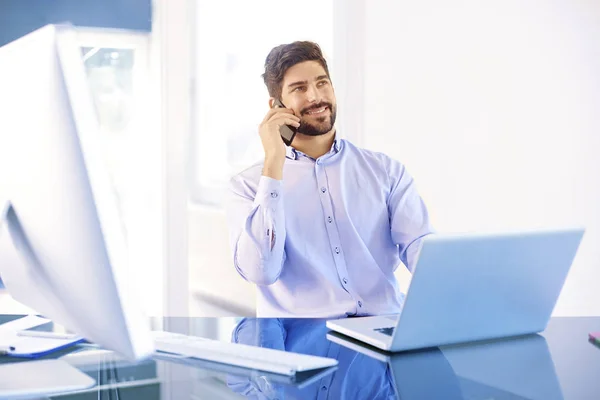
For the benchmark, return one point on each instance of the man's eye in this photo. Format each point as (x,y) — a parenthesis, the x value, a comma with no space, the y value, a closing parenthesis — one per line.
(322,83)
(299,88)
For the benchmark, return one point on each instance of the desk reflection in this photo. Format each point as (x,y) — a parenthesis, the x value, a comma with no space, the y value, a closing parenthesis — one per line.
(512,368)
(517,368)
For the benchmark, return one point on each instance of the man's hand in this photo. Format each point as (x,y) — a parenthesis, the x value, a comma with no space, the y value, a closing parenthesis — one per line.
(272,142)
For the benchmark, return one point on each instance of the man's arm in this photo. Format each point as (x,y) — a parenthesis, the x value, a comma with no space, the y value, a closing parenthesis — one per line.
(257,229)
(409,219)
(256,220)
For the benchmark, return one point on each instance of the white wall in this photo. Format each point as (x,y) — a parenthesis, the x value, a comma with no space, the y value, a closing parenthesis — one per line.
(494,108)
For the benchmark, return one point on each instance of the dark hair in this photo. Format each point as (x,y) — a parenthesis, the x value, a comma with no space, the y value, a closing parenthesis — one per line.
(285,56)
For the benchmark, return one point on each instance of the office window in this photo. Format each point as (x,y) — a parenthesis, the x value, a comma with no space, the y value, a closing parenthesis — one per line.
(110,74)
(118,69)
(116,64)
(230,98)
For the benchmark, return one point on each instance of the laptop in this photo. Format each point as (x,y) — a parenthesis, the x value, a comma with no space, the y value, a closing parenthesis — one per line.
(471,287)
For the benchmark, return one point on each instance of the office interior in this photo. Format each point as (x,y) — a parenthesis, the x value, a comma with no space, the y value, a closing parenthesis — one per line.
(493,107)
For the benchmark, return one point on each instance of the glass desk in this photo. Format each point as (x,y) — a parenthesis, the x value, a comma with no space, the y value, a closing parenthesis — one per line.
(558,364)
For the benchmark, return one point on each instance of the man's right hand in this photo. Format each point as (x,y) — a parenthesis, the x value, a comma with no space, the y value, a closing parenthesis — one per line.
(271,139)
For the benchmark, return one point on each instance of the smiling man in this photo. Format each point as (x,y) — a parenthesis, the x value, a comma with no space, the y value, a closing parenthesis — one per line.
(320,226)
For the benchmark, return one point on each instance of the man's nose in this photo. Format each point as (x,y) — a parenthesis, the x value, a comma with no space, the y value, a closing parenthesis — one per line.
(312,94)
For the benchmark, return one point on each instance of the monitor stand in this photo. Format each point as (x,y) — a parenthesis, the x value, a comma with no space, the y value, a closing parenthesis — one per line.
(41,378)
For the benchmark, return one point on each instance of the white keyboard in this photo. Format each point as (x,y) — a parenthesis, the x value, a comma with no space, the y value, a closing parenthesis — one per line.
(241,355)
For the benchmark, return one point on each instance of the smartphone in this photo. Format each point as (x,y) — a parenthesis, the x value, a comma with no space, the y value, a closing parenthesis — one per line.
(287,132)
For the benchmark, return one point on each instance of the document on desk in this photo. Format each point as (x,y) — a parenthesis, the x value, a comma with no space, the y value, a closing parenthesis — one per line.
(12,344)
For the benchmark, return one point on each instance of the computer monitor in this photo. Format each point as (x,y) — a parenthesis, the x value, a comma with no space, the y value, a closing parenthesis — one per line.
(62,246)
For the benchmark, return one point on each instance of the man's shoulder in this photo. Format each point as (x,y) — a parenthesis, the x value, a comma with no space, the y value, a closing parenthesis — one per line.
(372,157)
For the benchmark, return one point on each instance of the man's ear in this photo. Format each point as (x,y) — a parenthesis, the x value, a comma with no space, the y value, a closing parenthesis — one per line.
(271,102)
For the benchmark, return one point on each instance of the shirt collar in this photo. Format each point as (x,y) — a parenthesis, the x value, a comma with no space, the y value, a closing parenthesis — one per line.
(293,154)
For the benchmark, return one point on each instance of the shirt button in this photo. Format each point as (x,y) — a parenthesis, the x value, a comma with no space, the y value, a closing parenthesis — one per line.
(323,190)
(360,303)
(337,250)
(345,281)
(274,195)
(323,388)
(329,219)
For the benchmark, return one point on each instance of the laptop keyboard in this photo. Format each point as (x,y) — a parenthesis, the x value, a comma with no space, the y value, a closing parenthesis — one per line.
(386,331)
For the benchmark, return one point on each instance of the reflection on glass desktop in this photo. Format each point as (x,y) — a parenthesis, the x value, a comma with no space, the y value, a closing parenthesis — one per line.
(516,369)
(357,376)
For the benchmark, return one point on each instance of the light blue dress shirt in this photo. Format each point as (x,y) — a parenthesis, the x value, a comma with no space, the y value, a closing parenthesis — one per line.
(325,241)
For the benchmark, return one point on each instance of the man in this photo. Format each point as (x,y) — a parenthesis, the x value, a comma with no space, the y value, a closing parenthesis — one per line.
(320,226)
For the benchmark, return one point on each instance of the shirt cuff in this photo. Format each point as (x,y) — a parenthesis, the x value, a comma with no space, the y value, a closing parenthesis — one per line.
(269,192)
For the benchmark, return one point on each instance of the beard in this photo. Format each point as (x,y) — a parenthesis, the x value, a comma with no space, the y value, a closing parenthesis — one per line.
(324,124)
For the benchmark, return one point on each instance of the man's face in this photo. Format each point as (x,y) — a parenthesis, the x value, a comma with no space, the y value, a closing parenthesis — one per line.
(307,90)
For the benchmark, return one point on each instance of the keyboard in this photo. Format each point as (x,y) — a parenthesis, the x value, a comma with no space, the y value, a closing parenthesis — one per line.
(241,355)
(385,331)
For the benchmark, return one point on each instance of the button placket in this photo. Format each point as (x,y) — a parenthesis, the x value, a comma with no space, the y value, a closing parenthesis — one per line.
(332,232)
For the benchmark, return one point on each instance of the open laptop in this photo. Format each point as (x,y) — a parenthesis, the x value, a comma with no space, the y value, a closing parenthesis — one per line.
(469,287)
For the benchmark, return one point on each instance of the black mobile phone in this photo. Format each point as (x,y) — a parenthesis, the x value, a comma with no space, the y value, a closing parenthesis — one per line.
(287,132)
